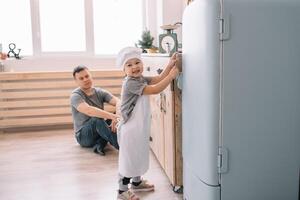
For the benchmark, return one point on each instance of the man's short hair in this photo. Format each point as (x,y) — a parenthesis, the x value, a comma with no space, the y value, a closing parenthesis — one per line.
(78,69)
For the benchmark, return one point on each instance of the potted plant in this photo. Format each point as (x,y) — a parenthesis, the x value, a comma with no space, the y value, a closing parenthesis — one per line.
(146,42)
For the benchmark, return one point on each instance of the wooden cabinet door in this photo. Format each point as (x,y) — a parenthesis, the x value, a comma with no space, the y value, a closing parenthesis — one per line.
(156,129)
(157,141)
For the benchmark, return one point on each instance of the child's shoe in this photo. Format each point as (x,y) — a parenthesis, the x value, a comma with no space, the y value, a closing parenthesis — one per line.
(142,187)
(127,195)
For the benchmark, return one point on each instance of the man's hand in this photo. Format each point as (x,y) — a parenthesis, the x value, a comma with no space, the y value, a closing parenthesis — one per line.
(114,117)
(113,126)
(114,121)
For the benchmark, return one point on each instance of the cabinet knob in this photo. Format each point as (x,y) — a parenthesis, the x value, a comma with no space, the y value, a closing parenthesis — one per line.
(150,139)
(148,69)
(159,70)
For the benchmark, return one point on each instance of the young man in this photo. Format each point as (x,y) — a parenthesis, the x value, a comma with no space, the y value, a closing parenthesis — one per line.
(91,130)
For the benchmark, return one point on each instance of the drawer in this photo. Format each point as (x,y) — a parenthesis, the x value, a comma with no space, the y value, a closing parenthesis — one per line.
(154,66)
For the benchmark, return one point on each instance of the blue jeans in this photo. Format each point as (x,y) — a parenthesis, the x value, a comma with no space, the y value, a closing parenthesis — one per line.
(96,132)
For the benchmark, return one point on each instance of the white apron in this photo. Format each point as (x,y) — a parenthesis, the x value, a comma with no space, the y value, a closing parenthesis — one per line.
(133,138)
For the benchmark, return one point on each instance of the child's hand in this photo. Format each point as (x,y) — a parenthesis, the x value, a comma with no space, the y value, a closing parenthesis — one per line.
(173,60)
(174,72)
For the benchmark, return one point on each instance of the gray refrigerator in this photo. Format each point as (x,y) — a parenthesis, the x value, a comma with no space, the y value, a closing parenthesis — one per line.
(241,100)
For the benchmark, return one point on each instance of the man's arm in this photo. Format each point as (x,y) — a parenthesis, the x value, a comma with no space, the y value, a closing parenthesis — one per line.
(95,112)
(115,101)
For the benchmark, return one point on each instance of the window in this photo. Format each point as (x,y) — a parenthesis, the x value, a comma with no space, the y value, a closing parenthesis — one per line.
(117,23)
(62,25)
(76,27)
(16,26)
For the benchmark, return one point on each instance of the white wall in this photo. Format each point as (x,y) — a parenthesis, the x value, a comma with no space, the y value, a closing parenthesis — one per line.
(170,12)
(159,12)
(62,63)
(162,12)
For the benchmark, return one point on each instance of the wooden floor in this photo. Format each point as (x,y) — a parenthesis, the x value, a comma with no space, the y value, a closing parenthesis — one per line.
(50,165)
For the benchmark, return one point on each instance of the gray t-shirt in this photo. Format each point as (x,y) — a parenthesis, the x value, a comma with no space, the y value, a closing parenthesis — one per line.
(131,90)
(97,99)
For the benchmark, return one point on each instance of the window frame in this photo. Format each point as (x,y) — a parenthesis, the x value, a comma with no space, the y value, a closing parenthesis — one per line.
(89,32)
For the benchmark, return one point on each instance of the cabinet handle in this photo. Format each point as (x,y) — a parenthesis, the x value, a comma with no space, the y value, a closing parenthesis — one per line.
(160,102)
(148,69)
(150,139)
(163,102)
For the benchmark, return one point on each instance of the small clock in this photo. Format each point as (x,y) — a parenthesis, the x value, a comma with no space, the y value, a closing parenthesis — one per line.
(168,43)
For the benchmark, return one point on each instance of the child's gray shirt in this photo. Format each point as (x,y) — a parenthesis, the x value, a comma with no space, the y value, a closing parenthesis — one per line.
(132,88)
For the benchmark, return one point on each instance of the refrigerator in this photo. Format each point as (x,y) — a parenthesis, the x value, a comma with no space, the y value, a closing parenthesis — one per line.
(241,100)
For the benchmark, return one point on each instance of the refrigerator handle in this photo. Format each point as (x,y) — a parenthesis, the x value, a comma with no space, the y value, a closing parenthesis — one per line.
(224,28)
(179,81)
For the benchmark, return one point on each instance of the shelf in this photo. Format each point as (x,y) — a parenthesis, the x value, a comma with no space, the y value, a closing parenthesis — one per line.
(155,55)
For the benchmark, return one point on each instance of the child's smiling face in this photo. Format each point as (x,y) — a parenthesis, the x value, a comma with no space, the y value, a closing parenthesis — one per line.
(133,67)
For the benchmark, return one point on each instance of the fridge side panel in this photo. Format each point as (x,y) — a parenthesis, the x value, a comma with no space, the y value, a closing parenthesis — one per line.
(200,93)
(261,100)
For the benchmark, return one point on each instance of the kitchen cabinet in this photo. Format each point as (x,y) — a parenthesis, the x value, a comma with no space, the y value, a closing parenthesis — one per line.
(165,136)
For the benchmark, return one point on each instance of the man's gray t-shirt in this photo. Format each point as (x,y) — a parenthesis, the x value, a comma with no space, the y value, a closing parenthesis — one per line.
(97,99)
(131,90)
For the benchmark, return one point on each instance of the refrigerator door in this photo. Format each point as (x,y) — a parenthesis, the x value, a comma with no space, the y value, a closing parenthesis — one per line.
(261,113)
(198,190)
(201,92)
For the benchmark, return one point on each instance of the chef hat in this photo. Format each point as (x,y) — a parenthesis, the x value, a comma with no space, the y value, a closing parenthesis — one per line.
(126,54)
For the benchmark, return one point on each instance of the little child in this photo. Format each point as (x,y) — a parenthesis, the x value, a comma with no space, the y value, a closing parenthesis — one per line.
(134,128)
